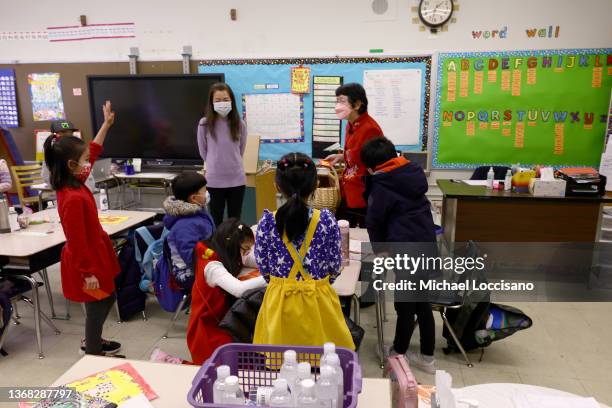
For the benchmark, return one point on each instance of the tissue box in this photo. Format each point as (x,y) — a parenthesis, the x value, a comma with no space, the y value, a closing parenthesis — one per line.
(547,188)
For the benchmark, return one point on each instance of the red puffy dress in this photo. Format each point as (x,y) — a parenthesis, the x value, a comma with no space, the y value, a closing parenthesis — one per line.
(208,307)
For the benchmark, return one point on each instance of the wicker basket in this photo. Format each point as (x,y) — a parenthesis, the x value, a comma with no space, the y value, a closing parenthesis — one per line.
(327,195)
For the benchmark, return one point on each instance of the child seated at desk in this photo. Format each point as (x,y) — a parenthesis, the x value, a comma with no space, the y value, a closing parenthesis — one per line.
(399,211)
(188,222)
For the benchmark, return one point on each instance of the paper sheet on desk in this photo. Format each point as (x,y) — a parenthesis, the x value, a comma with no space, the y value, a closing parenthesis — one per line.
(605,168)
(547,401)
(475,182)
(110,220)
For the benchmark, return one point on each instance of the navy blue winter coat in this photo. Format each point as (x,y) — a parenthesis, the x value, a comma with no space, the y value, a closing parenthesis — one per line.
(398,210)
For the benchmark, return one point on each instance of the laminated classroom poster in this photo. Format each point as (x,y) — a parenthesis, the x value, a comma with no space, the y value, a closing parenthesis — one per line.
(9,115)
(46,96)
(275,117)
(547,107)
(300,80)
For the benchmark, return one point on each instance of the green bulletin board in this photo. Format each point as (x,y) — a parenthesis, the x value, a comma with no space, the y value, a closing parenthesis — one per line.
(530,107)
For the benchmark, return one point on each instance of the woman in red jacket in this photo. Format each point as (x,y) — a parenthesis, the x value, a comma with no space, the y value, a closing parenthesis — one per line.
(352,106)
(88,263)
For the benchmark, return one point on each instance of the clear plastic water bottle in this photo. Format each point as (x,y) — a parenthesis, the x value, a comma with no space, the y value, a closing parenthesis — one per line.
(307,397)
(232,394)
(281,397)
(334,361)
(288,370)
(223,372)
(103,200)
(327,388)
(328,348)
(303,373)
(343,225)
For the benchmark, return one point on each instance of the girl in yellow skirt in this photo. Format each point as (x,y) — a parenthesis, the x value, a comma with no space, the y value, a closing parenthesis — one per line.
(297,250)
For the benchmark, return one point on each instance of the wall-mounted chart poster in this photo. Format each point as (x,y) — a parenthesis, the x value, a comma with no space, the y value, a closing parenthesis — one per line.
(300,80)
(544,107)
(275,117)
(46,96)
(9,115)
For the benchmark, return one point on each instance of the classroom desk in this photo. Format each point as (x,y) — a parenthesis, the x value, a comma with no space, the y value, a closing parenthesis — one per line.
(163,179)
(40,246)
(500,395)
(475,213)
(172,382)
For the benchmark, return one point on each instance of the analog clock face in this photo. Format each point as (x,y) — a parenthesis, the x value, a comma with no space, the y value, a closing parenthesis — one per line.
(435,13)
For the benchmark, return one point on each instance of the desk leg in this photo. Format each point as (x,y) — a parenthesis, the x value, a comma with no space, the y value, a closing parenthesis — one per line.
(356,311)
(45,277)
(380,329)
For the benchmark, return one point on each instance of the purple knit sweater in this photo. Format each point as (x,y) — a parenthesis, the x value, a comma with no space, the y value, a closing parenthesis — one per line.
(223,156)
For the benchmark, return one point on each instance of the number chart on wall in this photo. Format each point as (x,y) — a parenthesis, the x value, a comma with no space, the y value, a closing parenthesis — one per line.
(397,89)
(530,107)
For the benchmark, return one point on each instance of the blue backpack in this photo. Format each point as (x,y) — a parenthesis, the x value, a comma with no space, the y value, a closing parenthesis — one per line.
(148,250)
(168,292)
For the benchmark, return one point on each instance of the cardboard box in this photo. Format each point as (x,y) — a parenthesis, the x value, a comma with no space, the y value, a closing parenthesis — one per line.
(547,188)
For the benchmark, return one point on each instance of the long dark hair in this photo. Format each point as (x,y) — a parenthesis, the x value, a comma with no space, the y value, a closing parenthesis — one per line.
(59,150)
(227,241)
(296,177)
(233,117)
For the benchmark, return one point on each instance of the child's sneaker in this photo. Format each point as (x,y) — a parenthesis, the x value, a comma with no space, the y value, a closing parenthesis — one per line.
(159,356)
(422,362)
(108,346)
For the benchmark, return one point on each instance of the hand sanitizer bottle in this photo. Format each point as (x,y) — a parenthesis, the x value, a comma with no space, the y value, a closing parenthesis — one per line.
(327,388)
(103,200)
(307,397)
(232,393)
(508,181)
(490,178)
(328,348)
(334,361)
(288,370)
(281,397)
(223,372)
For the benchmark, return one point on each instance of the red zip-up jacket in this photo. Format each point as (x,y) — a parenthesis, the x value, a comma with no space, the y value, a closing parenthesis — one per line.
(88,250)
(357,134)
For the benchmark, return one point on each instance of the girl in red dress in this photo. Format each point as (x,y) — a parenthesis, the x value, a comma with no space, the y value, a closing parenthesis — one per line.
(88,262)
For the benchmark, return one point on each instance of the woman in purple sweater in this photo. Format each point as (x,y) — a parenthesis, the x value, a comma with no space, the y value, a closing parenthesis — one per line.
(221,139)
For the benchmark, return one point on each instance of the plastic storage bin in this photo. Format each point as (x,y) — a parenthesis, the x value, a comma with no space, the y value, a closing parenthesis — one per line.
(258,365)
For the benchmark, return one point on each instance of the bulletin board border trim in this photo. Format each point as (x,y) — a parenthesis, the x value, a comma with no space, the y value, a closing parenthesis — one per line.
(427,59)
(516,53)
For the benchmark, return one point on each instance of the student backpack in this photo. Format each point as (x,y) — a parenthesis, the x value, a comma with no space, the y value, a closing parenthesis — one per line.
(130,299)
(168,292)
(148,250)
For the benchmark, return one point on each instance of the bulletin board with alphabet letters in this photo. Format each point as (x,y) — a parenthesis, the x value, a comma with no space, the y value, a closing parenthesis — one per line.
(530,107)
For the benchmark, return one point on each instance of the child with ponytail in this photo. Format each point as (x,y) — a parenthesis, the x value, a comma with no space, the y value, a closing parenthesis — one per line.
(88,262)
(297,250)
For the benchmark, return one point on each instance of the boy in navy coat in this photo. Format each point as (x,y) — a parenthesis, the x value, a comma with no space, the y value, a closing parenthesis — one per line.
(398,211)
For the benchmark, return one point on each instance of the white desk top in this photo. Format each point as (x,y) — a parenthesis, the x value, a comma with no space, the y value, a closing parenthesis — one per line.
(148,176)
(500,395)
(41,187)
(37,238)
(172,382)
(345,284)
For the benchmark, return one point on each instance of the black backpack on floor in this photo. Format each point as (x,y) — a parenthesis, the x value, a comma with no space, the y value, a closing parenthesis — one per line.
(130,298)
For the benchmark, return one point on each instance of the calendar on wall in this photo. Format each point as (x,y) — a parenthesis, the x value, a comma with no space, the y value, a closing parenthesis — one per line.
(9,114)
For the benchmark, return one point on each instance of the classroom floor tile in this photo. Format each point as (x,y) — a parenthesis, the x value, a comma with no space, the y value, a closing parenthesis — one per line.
(567,348)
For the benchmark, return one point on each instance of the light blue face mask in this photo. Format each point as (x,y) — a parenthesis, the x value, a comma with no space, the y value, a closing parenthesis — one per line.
(206,199)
